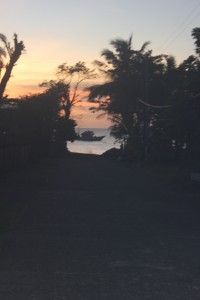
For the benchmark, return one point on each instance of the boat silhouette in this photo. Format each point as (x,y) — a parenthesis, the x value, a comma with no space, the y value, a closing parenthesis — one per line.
(88,136)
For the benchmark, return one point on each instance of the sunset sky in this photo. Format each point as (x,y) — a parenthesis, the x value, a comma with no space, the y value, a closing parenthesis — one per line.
(58,31)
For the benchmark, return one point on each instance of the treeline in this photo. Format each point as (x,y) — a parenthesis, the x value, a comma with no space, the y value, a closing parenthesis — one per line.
(34,126)
(153,103)
(42,120)
(38,119)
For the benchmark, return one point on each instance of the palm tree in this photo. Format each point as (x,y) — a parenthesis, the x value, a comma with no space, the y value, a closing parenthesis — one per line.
(118,96)
(13,54)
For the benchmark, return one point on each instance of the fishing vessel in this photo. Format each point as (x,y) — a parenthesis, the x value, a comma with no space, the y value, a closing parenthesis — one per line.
(88,136)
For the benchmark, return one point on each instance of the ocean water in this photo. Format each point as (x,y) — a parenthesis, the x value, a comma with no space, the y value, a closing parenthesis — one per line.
(99,147)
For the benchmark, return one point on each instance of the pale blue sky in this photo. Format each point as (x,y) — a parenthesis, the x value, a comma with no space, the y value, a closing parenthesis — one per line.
(57,31)
(80,29)
(86,26)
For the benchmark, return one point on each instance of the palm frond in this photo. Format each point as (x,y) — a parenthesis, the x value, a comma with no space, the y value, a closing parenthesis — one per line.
(99,91)
(144,47)
(7,45)
(99,64)
(120,44)
(3,38)
(109,56)
(2,52)
(130,41)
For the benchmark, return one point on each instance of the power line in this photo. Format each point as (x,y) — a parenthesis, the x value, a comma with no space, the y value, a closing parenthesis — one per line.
(180,29)
(153,106)
(169,44)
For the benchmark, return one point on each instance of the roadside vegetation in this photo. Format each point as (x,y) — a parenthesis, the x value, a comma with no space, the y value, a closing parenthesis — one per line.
(153,103)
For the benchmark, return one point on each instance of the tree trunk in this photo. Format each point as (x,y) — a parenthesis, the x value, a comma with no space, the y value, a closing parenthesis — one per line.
(18,48)
(5,79)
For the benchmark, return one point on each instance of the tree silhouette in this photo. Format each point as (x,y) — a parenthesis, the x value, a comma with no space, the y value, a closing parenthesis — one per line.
(64,126)
(130,76)
(196,36)
(70,80)
(176,129)
(13,54)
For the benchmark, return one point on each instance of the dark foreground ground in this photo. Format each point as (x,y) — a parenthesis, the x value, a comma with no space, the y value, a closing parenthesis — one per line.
(85,228)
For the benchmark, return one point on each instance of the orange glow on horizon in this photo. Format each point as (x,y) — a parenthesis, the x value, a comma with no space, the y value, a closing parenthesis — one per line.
(25,80)
(80,112)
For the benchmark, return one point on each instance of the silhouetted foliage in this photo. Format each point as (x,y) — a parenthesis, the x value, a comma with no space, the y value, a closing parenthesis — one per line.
(132,75)
(41,120)
(153,103)
(52,112)
(70,80)
(75,76)
(176,130)
(196,36)
(12,54)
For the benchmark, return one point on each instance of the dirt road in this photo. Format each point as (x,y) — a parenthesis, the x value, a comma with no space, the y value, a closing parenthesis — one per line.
(87,228)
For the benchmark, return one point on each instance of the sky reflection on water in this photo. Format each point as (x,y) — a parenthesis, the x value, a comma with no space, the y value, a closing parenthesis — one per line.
(99,147)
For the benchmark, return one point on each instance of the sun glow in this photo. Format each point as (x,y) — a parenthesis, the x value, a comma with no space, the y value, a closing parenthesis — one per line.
(36,66)
(25,82)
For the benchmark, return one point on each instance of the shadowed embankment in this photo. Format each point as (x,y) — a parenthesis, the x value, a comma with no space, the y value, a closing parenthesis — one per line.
(84,227)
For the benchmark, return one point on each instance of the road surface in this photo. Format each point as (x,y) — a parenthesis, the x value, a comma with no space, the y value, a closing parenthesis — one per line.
(86,228)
